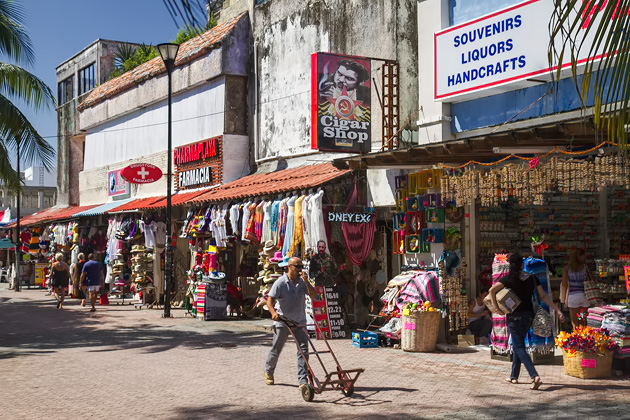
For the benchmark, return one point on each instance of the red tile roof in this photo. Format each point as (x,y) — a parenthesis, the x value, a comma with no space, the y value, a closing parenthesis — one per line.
(273,183)
(53,214)
(178,199)
(136,204)
(188,51)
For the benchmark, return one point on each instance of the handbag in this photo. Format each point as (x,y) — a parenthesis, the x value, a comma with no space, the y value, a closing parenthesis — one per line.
(592,291)
(542,322)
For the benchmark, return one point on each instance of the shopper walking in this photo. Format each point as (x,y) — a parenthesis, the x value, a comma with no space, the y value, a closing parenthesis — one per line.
(289,293)
(77,285)
(60,274)
(573,277)
(92,277)
(520,320)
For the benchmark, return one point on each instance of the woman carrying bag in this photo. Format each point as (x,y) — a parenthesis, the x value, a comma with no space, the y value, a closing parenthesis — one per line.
(520,320)
(574,275)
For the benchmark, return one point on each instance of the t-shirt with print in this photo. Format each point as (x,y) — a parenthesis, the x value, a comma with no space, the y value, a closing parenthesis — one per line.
(92,270)
(290,297)
(523,288)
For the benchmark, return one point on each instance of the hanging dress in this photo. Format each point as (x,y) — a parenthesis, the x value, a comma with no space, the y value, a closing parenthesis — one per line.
(298,233)
(318,230)
(288,238)
(266,225)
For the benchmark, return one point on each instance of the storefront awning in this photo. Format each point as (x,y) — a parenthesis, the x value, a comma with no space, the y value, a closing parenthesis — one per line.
(277,182)
(483,145)
(51,214)
(103,208)
(135,205)
(178,199)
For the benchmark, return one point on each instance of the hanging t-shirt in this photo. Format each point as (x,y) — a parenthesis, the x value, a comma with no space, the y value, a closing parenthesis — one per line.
(149,233)
(160,234)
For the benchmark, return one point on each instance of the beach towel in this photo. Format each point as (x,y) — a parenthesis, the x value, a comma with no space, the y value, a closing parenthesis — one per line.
(533,342)
(500,336)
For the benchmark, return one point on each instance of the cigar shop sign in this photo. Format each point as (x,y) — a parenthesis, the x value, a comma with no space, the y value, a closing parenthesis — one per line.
(349,217)
(198,164)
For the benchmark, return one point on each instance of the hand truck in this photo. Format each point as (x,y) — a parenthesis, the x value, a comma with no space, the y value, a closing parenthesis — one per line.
(335,380)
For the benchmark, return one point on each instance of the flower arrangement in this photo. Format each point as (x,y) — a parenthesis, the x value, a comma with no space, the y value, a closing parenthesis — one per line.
(585,339)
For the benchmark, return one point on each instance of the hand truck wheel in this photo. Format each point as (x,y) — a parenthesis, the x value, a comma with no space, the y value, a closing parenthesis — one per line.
(307,392)
(348,391)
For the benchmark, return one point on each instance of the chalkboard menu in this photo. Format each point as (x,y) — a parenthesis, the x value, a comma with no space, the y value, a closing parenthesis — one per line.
(328,313)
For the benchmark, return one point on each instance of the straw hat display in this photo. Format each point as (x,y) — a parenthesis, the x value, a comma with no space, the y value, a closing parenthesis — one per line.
(268,248)
(142,262)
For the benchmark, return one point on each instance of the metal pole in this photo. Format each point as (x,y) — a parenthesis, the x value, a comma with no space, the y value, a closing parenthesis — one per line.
(168,272)
(18,255)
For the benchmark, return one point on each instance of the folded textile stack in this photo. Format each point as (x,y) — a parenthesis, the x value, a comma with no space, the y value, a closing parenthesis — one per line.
(142,262)
(617,321)
(595,316)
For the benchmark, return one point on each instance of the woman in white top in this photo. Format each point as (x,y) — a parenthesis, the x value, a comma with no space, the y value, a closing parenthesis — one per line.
(478,322)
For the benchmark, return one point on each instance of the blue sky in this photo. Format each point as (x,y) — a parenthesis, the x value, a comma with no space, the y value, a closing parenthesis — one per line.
(61,28)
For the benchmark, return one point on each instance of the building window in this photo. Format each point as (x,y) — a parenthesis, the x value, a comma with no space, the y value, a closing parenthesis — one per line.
(87,81)
(65,90)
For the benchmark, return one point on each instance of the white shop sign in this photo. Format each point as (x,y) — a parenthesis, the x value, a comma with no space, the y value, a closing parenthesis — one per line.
(504,47)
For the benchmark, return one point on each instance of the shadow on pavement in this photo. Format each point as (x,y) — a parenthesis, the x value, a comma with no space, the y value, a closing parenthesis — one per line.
(35,327)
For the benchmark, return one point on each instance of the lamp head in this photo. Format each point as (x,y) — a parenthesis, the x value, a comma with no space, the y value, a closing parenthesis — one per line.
(168,52)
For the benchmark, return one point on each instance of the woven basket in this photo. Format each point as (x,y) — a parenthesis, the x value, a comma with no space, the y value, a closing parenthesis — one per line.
(588,365)
(420,331)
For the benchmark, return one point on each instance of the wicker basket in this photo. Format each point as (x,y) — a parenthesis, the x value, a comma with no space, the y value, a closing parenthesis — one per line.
(588,365)
(420,331)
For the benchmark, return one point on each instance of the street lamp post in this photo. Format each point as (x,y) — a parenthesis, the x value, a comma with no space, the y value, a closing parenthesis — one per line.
(18,251)
(168,52)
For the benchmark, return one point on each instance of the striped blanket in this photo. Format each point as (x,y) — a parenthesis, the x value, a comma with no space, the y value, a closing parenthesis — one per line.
(500,336)
(534,342)
(422,287)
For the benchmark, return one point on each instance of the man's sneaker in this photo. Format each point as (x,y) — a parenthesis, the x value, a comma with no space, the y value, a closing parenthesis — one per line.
(268,379)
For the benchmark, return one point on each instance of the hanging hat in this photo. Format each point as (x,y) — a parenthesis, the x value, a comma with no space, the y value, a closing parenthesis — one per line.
(138,248)
(285,261)
(268,248)
(277,257)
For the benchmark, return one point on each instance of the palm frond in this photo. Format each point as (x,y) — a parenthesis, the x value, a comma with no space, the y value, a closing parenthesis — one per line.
(605,82)
(123,53)
(8,175)
(14,40)
(15,127)
(15,82)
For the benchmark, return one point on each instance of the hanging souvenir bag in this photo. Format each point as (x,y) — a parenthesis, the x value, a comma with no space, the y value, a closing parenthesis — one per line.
(541,324)
(592,291)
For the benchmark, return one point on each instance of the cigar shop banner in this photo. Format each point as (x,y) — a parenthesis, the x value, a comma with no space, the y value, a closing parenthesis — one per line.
(341,114)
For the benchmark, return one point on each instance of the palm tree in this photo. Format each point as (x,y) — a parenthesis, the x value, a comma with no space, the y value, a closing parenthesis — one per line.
(18,84)
(605,83)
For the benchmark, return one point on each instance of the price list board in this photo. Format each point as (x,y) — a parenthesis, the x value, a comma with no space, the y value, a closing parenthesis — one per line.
(328,314)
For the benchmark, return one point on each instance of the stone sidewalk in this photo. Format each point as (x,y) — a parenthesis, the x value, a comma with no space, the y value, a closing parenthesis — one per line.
(120,362)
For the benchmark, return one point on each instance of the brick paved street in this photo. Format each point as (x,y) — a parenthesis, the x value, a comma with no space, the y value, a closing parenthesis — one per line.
(125,363)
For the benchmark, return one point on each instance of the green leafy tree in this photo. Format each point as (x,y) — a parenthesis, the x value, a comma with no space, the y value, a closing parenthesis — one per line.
(128,57)
(190,31)
(17,84)
(605,81)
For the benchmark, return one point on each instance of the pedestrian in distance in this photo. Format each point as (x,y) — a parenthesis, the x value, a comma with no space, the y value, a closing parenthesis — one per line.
(519,321)
(92,277)
(60,274)
(289,292)
(77,268)
(573,277)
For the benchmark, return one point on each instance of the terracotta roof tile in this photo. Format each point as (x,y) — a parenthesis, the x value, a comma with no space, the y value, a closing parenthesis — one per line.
(273,183)
(53,214)
(177,199)
(188,51)
(136,204)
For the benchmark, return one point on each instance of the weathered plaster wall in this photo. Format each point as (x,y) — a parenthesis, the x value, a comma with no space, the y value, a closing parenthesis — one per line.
(69,148)
(286,33)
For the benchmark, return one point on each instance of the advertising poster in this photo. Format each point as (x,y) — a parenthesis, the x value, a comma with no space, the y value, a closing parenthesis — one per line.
(328,314)
(341,103)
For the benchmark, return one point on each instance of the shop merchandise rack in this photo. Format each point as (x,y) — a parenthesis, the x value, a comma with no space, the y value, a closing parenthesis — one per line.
(618,220)
(566,221)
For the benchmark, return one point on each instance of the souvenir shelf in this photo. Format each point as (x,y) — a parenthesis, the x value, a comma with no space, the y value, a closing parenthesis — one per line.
(567,221)
(618,221)
(498,230)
